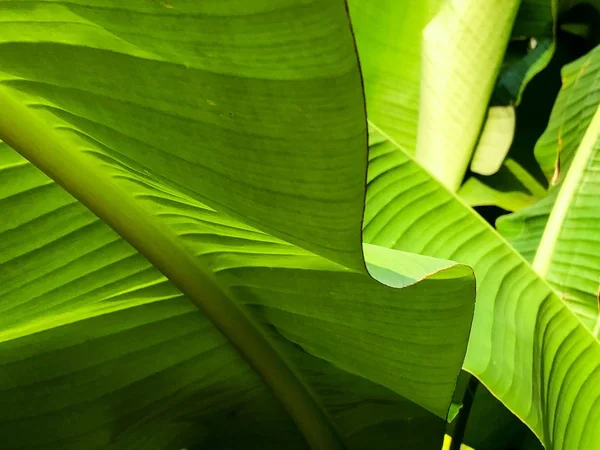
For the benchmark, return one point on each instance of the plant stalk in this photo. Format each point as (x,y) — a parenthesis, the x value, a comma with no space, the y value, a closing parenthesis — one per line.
(82,176)
(463,415)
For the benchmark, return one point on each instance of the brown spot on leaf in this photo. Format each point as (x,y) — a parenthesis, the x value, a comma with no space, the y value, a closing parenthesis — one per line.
(559,148)
(584,67)
(556,174)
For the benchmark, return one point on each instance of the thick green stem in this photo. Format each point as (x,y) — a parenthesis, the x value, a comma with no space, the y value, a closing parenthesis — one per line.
(81,176)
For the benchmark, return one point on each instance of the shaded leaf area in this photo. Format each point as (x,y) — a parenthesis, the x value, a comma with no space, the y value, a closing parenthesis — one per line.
(537,103)
(491,426)
(524,59)
(538,99)
(530,50)
(526,347)
(389,40)
(92,335)
(536,19)
(582,19)
(563,249)
(494,141)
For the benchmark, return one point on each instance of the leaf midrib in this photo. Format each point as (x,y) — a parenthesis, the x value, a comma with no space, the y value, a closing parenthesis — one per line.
(77,173)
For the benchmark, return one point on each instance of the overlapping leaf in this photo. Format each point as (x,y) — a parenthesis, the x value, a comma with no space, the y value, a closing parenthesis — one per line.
(390,43)
(214,76)
(456,61)
(389,40)
(220,104)
(93,334)
(525,345)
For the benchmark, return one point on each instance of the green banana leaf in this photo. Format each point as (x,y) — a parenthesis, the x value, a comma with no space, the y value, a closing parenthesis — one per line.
(208,56)
(225,145)
(526,346)
(559,234)
(99,350)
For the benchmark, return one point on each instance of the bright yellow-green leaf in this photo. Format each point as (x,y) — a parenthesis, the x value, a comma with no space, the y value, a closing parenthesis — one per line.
(559,233)
(463,48)
(495,140)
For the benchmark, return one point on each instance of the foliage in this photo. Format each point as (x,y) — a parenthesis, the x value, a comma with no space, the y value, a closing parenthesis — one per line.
(257,224)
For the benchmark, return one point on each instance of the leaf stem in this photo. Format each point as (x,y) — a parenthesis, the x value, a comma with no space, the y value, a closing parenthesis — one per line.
(463,415)
(82,176)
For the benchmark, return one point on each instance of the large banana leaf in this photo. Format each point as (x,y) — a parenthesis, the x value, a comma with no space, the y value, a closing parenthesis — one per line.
(99,349)
(216,76)
(187,127)
(526,346)
(560,233)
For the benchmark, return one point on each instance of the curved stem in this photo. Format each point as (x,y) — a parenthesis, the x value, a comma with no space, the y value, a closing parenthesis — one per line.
(83,178)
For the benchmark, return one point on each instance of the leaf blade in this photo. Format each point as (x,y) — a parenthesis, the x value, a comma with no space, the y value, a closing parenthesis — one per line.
(522,331)
(142,137)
